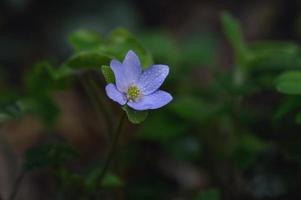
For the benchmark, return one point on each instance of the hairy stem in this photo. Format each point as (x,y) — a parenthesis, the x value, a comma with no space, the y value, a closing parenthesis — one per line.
(99,107)
(112,149)
(105,110)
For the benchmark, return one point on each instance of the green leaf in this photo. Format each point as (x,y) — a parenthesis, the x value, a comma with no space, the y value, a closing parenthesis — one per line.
(289,82)
(136,117)
(85,40)
(41,106)
(193,109)
(38,81)
(88,60)
(4,117)
(111,180)
(298,118)
(199,49)
(234,35)
(211,194)
(247,149)
(288,104)
(162,46)
(108,74)
(121,41)
(59,73)
(160,127)
(269,56)
(48,155)
(11,110)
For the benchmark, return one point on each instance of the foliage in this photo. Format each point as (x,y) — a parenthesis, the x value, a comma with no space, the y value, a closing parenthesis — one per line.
(221,123)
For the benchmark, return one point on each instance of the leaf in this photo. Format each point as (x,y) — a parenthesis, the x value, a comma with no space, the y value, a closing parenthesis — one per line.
(108,74)
(38,81)
(199,49)
(234,34)
(162,46)
(120,41)
(211,194)
(288,104)
(193,109)
(11,110)
(41,106)
(136,117)
(88,60)
(269,56)
(4,117)
(111,180)
(289,82)
(59,73)
(85,40)
(48,155)
(160,127)
(298,118)
(246,150)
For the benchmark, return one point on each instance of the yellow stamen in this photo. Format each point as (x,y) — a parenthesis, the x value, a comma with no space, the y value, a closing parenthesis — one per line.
(133,93)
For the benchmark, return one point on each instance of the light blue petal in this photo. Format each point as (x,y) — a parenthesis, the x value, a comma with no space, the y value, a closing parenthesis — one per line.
(128,72)
(132,67)
(114,94)
(152,78)
(153,101)
(120,76)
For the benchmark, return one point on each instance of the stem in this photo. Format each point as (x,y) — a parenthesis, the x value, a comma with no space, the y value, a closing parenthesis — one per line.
(112,149)
(95,103)
(106,112)
(16,185)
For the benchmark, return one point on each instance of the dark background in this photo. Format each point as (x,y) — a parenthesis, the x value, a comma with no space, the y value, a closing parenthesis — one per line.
(180,164)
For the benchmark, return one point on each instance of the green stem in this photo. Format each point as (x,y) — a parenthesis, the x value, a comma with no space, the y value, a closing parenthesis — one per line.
(112,149)
(16,185)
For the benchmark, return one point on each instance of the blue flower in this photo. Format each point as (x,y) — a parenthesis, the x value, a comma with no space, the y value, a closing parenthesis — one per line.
(137,88)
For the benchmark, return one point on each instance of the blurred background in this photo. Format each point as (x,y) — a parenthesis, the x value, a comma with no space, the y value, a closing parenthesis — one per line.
(228,134)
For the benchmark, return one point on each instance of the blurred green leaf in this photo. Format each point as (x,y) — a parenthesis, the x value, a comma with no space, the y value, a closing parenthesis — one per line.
(48,155)
(38,81)
(88,60)
(43,107)
(108,74)
(4,117)
(120,41)
(136,117)
(199,49)
(273,56)
(298,118)
(85,40)
(211,194)
(194,109)
(289,82)
(59,73)
(234,35)
(161,45)
(110,180)
(288,104)
(10,110)
(247,148)
(160,127)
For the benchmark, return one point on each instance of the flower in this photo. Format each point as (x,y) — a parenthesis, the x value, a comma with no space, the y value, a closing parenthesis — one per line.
(135,87)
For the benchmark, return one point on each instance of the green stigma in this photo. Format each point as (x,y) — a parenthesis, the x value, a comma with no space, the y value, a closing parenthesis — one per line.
(133,93)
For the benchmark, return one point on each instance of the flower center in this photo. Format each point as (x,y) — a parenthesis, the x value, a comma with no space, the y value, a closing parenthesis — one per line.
(133,93)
